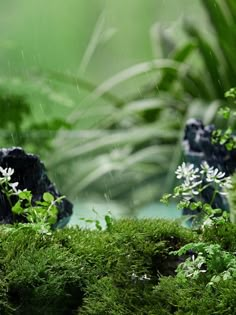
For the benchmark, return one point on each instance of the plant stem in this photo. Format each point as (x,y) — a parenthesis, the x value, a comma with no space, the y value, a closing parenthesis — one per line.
(213,196)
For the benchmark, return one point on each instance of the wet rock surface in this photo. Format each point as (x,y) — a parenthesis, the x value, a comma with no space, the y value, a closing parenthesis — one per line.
(31,174)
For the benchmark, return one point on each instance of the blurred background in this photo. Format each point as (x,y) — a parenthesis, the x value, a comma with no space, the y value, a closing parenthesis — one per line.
(101,90)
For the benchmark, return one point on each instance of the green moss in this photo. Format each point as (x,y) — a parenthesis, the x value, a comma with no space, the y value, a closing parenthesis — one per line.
(127,269)
(103,298)
(96,272)
(180,298)
(225,235)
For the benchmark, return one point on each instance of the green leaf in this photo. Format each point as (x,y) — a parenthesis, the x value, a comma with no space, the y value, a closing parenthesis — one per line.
(224,111)
(209,57)
(48,197)
(109,221)
(231,93)
(183,204)
(231,4)
(230,146)
(98,225)
(17,208)
(25,195)
(195,205)
(42,203)
(52,220)
(165,198)
(216,279)
(225,32)
(169,76)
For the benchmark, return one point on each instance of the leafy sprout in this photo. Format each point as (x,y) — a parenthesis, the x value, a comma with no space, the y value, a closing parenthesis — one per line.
(41,215)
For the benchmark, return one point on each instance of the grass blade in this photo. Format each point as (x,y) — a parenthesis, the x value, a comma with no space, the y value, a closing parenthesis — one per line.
(210,59)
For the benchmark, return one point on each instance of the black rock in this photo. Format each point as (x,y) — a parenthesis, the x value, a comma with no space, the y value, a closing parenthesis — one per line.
(31,174)
(198,147)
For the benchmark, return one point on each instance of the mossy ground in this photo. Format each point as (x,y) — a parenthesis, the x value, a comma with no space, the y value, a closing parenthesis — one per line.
(76,271)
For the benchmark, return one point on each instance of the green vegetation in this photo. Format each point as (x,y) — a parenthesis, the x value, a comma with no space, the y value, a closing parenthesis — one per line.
(106,133)
(40,216)
(19,128)
(204,284)
(133,145)
(121,140)
(94,272)
(128,269)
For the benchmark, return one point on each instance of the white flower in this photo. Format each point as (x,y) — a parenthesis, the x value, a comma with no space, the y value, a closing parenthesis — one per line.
(190,188)
(144,277)
(205,168)
(207,222)
(193,180)
(182,170)
(226,183)
(7,172)
(186,171)
(215,176)
(13,186)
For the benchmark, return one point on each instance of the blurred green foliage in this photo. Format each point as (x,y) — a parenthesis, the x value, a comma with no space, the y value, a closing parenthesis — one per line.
(131,153)
(18,128)
(125,141)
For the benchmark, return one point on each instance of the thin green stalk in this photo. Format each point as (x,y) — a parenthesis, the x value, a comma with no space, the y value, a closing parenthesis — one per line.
(213,196)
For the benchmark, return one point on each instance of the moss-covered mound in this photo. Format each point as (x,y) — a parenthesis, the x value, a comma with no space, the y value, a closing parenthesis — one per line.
(124,270)
(76,271)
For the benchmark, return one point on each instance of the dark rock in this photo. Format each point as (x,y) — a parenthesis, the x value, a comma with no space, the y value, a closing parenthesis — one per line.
(31,174)
(198,147)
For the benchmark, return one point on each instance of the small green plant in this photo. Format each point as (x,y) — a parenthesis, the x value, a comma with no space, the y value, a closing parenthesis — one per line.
(96,222)
(207,261)
(226,137)
(41,215)
(98,225)
(231,94)
(195,182)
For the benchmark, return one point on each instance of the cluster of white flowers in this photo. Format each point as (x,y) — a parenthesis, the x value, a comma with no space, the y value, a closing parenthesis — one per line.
(6,173)
(191,179)
(144,277)
(195,180)
(5,178)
